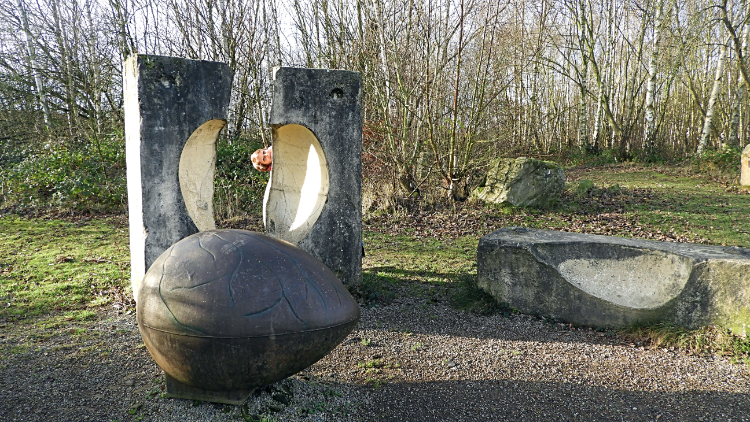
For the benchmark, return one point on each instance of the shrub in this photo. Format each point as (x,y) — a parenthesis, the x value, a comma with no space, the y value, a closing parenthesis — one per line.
(89,178)
(725,159)
(92,178)
(238,187)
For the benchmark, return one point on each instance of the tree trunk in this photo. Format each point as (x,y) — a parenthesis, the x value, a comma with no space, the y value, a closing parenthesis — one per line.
(649,137)
(67,71)
(598,119)
(708,121)
(583,127)
(33,64)
(734,123)
(734,126)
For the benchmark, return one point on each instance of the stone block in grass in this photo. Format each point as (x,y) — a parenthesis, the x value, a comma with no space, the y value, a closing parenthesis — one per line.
(607,281)
(522,182)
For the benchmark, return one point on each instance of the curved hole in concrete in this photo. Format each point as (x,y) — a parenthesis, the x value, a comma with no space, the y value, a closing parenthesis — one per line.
(197,168)
(645,281)
(298,187)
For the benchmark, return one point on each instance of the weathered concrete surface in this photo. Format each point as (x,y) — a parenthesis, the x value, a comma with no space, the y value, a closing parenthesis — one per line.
(170,102)
(607,281)
(745,167)
(326,104)
(522,182)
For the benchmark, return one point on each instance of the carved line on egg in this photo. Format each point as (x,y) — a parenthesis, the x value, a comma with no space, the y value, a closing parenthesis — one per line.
(161,278)
(236,268)
(281,283)
(205,282)
(209,252)
(338,291)
(307,278)
(283,293)
(254,314)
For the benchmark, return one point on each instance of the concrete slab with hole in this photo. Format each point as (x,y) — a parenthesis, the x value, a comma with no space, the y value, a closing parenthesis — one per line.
(607,281)
(314,195)
(174,111)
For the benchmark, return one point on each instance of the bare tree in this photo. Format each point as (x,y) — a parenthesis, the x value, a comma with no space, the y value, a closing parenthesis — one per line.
(33,65)
(740,47)
(711,108)
(649,137)
(447,84)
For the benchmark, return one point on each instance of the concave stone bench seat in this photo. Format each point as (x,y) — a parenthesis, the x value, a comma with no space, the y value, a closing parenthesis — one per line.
(606,281)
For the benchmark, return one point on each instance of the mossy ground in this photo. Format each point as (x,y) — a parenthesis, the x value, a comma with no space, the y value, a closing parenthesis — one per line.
(50,267)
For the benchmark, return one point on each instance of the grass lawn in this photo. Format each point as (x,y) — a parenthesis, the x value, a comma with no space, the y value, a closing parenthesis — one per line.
(680,200)
(53,266)
(658,203)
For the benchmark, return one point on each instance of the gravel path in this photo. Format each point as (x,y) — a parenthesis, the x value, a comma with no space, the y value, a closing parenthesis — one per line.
(412,360)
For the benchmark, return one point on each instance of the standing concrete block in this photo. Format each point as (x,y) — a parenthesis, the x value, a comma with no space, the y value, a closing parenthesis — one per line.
(174,111)
(745,167)
(609,281)
(314,194)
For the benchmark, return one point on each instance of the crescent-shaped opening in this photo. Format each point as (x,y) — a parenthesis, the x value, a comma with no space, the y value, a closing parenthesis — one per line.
(646,281)
(298,187)
(197,168)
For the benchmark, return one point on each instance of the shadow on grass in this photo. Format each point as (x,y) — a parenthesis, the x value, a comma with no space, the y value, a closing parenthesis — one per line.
(692,200)
(381,285)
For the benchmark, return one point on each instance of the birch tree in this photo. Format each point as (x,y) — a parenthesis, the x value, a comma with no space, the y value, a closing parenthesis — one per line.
(711,107)
(740,47)
(650,135)
(33,64)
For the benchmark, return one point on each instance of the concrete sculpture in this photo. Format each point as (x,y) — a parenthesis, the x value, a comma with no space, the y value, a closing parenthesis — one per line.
(174,111)
(608,281)
(226,311)
(314,194)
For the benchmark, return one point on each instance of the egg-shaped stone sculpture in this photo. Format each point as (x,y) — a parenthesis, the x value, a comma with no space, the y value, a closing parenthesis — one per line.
(231,310)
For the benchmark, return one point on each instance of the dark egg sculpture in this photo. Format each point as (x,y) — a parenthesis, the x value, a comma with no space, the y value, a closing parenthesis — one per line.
(225,311)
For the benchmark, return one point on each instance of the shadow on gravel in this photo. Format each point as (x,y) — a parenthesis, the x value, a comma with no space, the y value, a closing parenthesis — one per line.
(545,402)
(109,376)
(434,307)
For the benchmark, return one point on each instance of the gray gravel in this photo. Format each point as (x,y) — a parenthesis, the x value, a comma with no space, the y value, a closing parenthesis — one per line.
(413,360)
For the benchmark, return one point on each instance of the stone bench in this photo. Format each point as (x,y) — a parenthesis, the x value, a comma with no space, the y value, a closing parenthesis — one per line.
(606,281)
